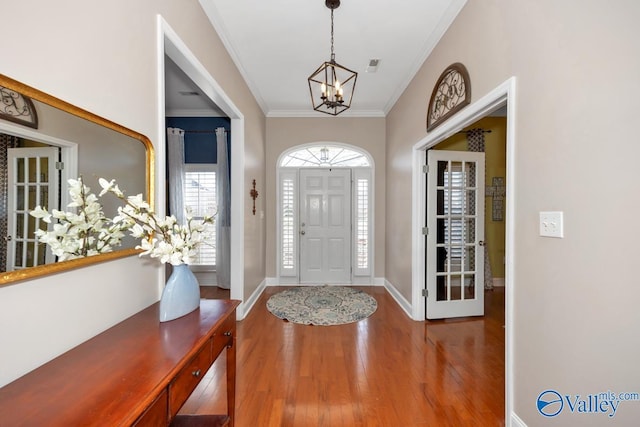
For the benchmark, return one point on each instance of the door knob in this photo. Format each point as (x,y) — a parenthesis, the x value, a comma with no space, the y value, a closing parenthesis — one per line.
(302,232)
(481,242)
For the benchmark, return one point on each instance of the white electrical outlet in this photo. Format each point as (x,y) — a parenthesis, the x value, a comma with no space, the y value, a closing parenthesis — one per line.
(551,224)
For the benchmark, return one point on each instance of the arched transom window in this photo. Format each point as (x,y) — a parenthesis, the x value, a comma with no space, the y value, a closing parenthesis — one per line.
(325,156)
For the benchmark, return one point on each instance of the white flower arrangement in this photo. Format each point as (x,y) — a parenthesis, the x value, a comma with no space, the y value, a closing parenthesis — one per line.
(161,238)
(89,232)
(82,233)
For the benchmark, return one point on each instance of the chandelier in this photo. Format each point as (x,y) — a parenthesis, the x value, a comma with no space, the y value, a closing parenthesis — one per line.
(332,85)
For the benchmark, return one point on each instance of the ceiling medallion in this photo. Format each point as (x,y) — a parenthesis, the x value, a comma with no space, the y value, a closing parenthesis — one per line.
(451,93)
(332,85)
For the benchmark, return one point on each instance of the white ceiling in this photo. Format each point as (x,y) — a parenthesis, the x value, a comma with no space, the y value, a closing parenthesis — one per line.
(277,44)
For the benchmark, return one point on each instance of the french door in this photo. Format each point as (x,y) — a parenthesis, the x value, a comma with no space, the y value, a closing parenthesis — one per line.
(32,181)
(325,225)
(455,234)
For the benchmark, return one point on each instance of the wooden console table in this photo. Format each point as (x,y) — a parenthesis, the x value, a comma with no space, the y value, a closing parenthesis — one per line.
(139,372)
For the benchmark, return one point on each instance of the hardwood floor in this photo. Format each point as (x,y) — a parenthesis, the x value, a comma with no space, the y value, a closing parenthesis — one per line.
(387,370)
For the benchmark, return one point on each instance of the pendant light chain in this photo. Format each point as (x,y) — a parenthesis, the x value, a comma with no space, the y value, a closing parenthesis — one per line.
(333,56)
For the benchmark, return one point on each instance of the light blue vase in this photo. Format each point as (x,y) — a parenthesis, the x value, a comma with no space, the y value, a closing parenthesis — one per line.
(181,294)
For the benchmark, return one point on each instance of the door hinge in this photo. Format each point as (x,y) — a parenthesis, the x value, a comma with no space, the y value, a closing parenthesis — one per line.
(425,293)
(425,168)
(425,230)
(59,166)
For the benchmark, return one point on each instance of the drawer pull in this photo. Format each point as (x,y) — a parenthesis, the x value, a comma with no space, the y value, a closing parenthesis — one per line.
(196,373)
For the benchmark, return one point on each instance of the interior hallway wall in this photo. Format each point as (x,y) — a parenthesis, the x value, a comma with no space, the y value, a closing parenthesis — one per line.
(576,314)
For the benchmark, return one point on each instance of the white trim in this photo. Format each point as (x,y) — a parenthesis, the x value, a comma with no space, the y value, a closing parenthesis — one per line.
(170,44)
(212,13)
(274,281)
(315,114)
(251,301)
(503,94)
(434,37)
(379,281)
(516,421)
(397,296)
(363,281)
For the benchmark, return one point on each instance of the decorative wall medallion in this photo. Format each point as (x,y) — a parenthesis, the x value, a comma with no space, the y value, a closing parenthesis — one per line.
(451,93)
(17,108)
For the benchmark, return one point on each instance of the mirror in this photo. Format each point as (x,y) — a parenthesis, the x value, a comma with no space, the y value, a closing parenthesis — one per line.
(80,143)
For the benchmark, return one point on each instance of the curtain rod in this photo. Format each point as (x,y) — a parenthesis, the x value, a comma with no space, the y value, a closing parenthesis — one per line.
(199,131)
(483,130)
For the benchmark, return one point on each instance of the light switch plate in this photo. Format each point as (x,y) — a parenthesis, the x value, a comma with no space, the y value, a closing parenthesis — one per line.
(551,224)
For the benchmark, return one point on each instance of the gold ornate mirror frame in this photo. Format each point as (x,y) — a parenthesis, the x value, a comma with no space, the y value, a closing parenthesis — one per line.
(48,269)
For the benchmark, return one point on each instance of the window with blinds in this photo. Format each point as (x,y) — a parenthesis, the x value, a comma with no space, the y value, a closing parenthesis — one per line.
(200,194)
(288,223)
(454,209)
(362,223)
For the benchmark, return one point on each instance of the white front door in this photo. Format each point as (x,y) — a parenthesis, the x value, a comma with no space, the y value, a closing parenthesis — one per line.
(455,234)
(325,225)
(32,181)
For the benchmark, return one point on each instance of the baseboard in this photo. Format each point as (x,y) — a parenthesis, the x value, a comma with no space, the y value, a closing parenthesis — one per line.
(282,281)
(498,282)
(516,421)
(293,281)
(397,296)
(251,301)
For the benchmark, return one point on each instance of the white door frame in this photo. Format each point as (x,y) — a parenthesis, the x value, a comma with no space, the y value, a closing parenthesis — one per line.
(504,94)
(170,44)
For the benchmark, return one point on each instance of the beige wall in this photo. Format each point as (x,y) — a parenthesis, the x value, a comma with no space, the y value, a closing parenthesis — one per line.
(366,133)
(576,299)
(102,57)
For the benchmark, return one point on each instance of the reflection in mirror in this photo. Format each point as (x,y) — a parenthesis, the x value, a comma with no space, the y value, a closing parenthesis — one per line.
(35,165)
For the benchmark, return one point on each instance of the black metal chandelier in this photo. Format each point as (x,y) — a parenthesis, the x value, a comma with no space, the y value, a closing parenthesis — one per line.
(332,85)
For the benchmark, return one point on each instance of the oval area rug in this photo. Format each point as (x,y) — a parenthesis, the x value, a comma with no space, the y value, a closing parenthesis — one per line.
(322,305)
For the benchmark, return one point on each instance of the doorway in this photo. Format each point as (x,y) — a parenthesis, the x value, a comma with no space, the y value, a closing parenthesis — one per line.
(325,214)
(503,96)
(171,46)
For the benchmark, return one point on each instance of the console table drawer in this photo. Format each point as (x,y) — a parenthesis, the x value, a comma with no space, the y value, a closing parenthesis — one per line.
(188,378)
(224,337)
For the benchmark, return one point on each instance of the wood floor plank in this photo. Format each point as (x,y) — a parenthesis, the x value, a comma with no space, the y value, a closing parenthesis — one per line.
(386,370)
